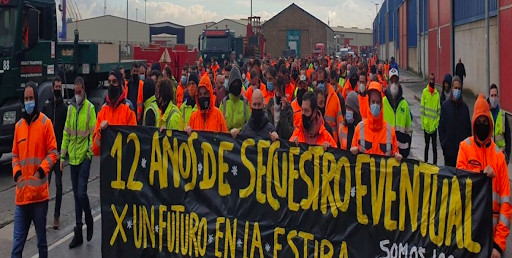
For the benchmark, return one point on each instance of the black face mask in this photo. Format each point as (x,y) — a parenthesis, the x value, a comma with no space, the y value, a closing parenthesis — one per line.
(380,72)
(235,89)
(306,121)
(431,85)
(353,82)
(295,74)
(57,94)
(204,103)
(257,115)
(322,110)
(278,100)
(114,92)
(135,77)
(300,93)
(482,131)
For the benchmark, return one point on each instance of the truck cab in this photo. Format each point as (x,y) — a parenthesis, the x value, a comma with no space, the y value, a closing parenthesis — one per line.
(218,44)
(28,36)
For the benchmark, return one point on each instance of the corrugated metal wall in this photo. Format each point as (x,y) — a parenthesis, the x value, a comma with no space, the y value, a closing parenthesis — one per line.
(412,36)
(402,14)
(423,16)
(466,11)
(505,23)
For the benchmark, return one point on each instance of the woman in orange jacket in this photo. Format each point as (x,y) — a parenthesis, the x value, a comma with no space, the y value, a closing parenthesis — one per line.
(208,117)
(115,111)
(374,135)
(478,154)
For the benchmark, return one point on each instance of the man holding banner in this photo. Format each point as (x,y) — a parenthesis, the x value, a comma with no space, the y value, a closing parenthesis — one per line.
(208,117)
(478,154)
(115,112)
(374,135)
(312,129)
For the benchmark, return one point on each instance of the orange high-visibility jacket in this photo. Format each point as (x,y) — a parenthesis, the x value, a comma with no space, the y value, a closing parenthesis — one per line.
(180,92)
(212,120)
(346,89)
(475,156)
(297,113)
(266,95)
(343,136)
(373,135)
(323,135)
(364,106)
(116,114)
(333,114)
(34,147)
(140,101)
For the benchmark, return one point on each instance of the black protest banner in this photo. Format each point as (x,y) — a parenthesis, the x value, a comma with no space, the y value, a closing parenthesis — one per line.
(168,194)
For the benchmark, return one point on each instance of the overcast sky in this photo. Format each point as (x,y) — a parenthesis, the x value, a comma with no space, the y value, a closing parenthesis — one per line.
(348,13)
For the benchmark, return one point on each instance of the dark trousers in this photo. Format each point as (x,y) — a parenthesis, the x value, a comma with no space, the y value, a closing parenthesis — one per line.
(450,161)
(79,180)
(58,185)
(23,217)
(432,136)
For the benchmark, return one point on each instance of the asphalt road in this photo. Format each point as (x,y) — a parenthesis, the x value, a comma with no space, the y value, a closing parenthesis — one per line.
(58,240)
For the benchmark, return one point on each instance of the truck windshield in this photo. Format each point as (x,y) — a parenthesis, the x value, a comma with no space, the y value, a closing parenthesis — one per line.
(216,44)
(7,28)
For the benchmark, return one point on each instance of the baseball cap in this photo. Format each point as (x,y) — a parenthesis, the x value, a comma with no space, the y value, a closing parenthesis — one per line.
(393,72)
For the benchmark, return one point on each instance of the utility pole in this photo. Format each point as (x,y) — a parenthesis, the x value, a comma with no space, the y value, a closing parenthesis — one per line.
(136,14)
(487,51)
(104,7)
(145,2)
(251,8)
(127,24)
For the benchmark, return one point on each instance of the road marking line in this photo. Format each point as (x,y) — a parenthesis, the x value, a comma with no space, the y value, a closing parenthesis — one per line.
(66,238)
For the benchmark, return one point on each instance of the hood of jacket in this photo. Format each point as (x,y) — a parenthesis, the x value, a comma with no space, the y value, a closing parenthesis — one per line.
(206,83)
(448,79)
(482,109)
(375,123)
(234,75)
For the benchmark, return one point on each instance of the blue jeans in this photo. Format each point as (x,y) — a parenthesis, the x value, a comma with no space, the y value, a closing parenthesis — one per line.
(23,217)
(79,180)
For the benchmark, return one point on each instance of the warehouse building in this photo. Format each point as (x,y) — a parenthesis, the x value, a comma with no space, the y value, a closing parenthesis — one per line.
(294,28)
(109,28)
(429,36)
(192,33)
(167,29)
(354,37)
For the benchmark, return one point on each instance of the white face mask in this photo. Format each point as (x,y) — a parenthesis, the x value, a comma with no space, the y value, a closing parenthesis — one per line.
(78,99)
(494,102)
(393,89)
(362,88)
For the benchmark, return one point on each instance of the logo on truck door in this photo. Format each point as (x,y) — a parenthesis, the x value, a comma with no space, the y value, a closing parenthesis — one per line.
(31,69)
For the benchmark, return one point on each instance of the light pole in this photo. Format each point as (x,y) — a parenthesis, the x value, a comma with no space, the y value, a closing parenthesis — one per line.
(136,14)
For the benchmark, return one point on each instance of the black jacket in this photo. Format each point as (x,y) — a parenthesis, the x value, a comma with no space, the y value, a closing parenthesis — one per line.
(258,131)
(57,112)
(460,70)
(454,126)
(133,90)
(285,126)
